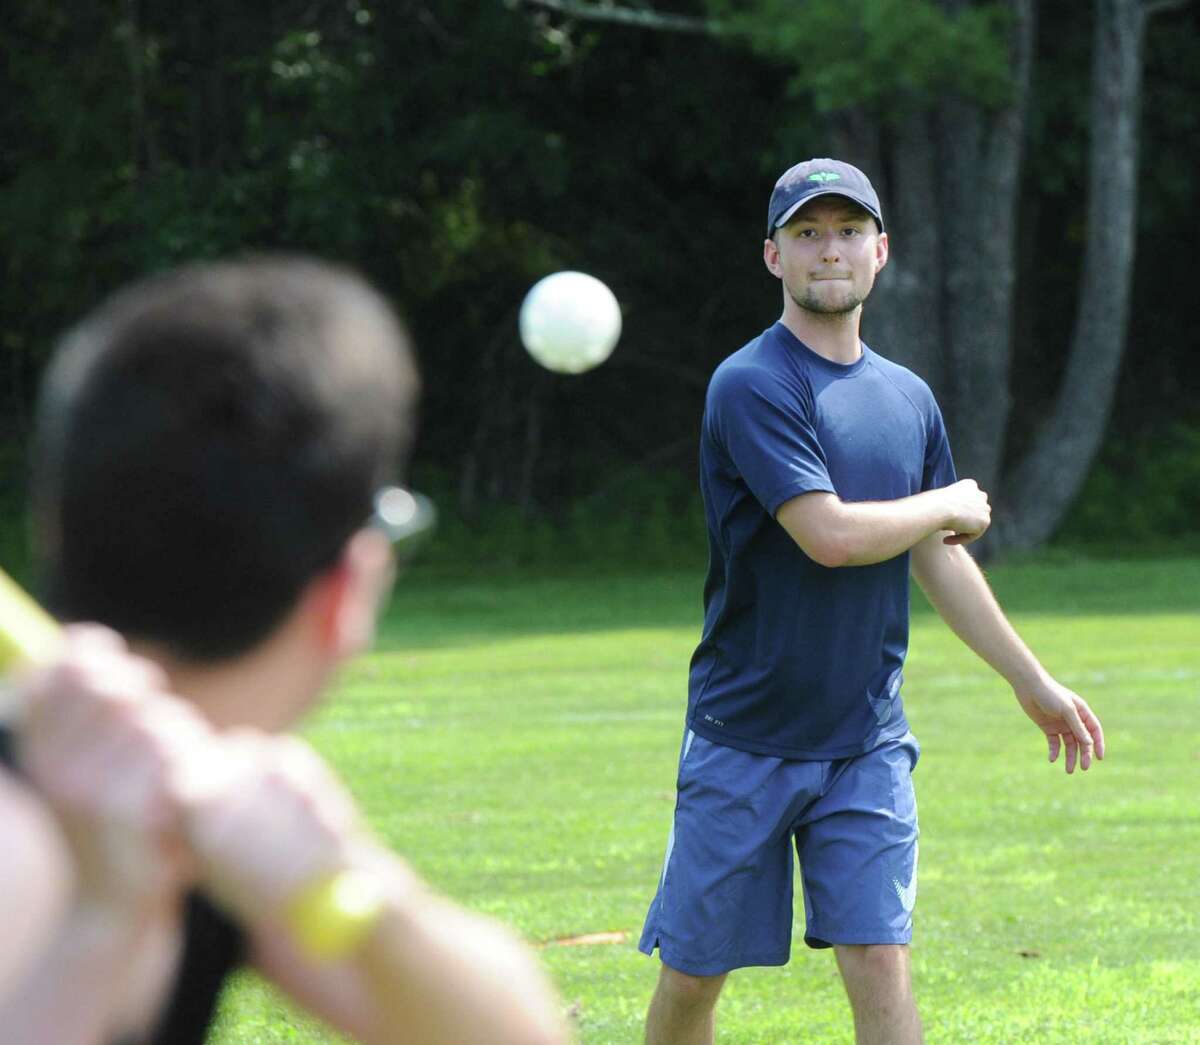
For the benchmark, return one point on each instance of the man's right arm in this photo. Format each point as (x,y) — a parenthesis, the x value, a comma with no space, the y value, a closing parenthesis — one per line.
(35,880)
(835,533)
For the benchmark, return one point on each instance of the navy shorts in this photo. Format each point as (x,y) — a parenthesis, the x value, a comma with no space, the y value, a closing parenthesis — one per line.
(725,896)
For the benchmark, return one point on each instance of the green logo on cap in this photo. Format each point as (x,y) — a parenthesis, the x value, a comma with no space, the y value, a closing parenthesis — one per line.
(822,176)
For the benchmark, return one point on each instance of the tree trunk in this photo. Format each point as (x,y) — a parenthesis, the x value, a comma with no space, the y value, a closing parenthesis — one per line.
(944,303)
(904,322)
(1043,485)
(980,164)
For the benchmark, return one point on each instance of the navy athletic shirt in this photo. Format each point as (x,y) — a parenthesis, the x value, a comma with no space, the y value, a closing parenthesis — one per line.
(798,660)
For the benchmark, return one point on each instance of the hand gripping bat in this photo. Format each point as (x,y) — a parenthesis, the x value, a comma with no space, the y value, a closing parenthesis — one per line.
(330,916)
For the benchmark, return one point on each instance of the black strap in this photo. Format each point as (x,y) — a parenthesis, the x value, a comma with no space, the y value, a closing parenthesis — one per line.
(213,947)
(8,749)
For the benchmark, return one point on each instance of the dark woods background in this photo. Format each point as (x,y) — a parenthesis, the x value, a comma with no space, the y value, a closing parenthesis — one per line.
(456,152)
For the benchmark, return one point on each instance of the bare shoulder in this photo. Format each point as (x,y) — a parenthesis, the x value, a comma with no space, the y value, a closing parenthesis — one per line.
(35,877)
(30,832)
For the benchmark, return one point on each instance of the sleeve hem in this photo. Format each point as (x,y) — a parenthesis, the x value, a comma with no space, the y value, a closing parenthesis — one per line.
(783,494)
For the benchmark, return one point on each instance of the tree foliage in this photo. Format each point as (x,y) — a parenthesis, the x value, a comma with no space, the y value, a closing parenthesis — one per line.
(885,56)
(458,151)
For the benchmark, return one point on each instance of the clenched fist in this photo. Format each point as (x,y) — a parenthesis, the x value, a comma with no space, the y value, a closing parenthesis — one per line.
(968,513)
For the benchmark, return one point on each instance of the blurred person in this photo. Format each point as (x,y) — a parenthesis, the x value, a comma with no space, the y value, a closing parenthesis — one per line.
(35,878)
(213,463)
(827,479)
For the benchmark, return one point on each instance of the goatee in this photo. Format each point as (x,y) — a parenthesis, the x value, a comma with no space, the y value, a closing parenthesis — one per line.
(813,303)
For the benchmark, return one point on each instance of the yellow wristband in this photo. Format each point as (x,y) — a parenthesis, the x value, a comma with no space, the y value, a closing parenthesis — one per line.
(332,916)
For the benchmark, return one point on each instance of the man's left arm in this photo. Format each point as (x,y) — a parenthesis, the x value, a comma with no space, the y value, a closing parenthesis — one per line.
(427,970)
(957,589)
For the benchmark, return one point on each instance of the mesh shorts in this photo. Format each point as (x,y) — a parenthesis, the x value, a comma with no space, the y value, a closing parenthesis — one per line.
(724,899)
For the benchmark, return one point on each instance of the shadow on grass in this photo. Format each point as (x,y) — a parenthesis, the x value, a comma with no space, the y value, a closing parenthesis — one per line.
(443,611)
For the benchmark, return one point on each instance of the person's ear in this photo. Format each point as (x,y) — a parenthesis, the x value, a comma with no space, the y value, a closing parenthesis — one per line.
(881,252)
(771,257)
(346,598)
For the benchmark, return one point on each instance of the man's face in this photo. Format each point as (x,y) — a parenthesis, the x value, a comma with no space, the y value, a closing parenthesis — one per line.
(827,255)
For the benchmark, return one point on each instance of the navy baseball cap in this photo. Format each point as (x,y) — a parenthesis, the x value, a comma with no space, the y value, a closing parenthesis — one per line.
(812,178)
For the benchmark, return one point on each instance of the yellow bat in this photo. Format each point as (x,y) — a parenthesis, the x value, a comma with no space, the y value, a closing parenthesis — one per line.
(330,917)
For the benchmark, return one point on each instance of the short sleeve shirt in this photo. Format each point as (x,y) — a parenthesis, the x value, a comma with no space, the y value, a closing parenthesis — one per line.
(798,660)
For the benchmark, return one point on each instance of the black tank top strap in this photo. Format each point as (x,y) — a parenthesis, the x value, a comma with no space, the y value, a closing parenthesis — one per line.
(213,947)
(8,749)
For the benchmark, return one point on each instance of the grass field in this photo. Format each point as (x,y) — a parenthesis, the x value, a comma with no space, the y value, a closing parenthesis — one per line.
(517,739)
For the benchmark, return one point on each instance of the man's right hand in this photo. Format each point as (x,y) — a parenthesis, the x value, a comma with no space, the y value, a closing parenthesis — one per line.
(968,514)
(100,742)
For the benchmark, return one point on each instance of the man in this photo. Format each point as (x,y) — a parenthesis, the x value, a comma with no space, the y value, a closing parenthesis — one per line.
(826,476)
(214,453)
(35,879)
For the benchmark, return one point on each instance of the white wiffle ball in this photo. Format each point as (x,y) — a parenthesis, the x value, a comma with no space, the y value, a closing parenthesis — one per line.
(570,322)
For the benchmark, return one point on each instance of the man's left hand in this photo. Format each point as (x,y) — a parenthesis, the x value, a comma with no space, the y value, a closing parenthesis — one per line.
(1066,719)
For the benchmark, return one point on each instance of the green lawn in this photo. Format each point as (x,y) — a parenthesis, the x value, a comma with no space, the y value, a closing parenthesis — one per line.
(516,740)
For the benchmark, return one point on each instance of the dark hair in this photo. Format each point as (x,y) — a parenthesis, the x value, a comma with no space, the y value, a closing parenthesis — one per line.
(208,440)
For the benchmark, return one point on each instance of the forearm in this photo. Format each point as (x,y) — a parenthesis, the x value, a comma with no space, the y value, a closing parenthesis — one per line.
(957,589)
(440,974)
(961,595)
(72,996)
(837,533)
(428,971)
